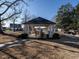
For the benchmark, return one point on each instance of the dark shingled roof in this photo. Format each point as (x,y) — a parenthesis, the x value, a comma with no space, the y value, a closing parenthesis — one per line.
(39,20)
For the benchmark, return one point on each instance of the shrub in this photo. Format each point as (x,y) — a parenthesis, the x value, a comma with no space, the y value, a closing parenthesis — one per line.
(56,36)
(23,36)
(47,35)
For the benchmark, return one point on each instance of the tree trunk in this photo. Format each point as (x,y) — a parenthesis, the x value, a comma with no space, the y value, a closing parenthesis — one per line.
(1,31)
(14,25)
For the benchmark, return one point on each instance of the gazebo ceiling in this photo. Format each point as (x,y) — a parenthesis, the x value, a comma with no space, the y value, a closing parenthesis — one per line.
(40,27)
(39,20)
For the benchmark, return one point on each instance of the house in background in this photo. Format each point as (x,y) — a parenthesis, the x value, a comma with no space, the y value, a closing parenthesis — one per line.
(16,27)
(36,26)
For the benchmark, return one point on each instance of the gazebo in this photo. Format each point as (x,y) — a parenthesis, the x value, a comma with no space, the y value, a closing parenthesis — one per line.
(39,25)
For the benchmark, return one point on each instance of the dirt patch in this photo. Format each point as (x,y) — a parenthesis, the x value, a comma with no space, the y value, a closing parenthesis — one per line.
(38,50)
(8,37)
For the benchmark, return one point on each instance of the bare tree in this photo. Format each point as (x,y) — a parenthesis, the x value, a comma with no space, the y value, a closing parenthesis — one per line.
(14,20)
(8,7)
(26,16)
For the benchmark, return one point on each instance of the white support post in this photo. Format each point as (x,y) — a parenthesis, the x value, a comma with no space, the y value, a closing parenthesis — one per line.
(26,28)
(51,30)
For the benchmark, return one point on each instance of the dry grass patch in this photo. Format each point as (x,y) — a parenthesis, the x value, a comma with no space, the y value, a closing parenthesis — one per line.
(5,38)
(8,37)
(38,50)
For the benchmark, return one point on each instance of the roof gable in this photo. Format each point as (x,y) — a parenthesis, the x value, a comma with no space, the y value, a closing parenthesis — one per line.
(39,20)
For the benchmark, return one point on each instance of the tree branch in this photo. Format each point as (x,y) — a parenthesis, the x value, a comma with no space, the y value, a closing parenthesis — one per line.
(10,16)
(9,7)
(2,3)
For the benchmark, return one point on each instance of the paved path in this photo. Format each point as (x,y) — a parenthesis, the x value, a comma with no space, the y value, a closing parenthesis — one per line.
(73,39)
(69,40)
